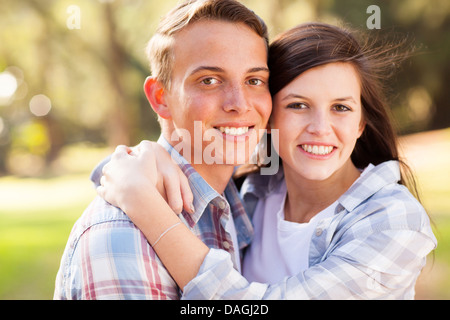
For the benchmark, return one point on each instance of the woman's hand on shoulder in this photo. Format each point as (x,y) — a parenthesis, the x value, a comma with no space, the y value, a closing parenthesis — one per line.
(133,172)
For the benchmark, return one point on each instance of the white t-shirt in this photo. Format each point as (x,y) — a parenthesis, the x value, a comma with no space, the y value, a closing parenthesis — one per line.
(281,248)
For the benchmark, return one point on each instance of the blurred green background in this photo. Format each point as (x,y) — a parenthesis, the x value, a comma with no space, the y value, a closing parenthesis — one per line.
(71,75)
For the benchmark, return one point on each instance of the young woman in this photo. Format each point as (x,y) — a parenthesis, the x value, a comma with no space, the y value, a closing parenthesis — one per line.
(337,222)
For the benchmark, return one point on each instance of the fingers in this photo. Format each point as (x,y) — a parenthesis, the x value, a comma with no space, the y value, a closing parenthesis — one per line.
(186,194)
(178,192)
(121,151)
(156,164)
(103,180)
(169,174)
(173,193)
(144,146)
(101,189)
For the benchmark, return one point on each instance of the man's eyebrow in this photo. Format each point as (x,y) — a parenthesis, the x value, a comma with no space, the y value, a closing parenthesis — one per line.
(258,69)
(206,68)
(220,70)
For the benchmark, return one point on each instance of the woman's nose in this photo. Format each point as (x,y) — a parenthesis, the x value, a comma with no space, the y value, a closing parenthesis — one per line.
(320,123)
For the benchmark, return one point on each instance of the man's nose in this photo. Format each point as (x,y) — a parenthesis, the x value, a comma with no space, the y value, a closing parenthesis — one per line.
(235,99)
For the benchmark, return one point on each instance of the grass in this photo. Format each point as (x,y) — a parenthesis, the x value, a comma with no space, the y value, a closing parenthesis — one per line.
(434,282)
(36,216)
(31,246)
(429,156)
(33,236)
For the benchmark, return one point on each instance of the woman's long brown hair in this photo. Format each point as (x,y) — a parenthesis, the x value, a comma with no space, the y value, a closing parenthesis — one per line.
(314,44)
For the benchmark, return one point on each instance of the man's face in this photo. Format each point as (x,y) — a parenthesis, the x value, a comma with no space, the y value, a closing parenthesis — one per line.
(219,86)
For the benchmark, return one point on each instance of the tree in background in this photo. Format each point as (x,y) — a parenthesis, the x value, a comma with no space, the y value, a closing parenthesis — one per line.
(77,69)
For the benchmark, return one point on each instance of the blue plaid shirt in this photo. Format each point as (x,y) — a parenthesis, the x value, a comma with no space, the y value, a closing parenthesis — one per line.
(108,257)
(374,247)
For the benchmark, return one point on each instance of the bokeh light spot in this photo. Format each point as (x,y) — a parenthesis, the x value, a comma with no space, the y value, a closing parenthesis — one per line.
(40,105)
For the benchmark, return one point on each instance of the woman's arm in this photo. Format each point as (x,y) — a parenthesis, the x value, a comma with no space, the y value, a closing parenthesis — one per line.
(380,265)
(181,252)
(132,180)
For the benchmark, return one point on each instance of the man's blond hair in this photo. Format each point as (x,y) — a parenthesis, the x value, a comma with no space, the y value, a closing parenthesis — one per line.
(160,47)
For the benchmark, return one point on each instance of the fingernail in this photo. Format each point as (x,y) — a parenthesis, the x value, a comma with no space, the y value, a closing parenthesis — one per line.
(191,207)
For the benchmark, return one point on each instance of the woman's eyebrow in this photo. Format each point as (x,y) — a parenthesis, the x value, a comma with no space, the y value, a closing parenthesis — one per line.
(292,95)
(298,96)
(349,98)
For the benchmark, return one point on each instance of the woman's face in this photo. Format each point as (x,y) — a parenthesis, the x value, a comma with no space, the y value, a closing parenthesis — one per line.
(319,118)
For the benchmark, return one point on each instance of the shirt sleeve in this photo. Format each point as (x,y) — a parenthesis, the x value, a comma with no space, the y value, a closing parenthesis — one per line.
(379,265)
(113,260)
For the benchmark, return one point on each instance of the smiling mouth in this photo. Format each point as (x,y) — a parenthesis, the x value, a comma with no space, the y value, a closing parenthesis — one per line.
(234,131)
(317,150)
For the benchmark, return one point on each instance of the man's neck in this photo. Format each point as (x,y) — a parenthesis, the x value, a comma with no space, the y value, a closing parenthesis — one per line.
(216,175)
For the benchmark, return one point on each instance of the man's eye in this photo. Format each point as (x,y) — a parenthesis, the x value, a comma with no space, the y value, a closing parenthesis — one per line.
(209,81)
(255,82)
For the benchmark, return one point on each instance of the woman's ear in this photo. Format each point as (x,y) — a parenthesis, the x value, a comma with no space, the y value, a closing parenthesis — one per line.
(155,94)
(362,127)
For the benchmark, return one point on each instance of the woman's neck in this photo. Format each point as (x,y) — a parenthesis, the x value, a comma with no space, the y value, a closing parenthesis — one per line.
(306,198)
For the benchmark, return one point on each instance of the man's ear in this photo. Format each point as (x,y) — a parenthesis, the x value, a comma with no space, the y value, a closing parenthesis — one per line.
(155,94)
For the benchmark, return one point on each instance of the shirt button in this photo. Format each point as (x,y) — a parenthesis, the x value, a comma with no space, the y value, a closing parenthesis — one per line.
(319,232)
(226,245)
(222,205)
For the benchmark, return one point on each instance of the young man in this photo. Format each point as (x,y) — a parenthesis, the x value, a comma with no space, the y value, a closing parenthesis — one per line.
(210,80)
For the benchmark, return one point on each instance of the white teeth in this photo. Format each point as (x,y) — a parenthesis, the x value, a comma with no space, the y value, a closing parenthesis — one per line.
(233,131)
(317,150)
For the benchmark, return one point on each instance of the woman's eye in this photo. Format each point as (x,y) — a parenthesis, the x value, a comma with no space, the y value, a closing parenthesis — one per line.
(297,105)
(341,108)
